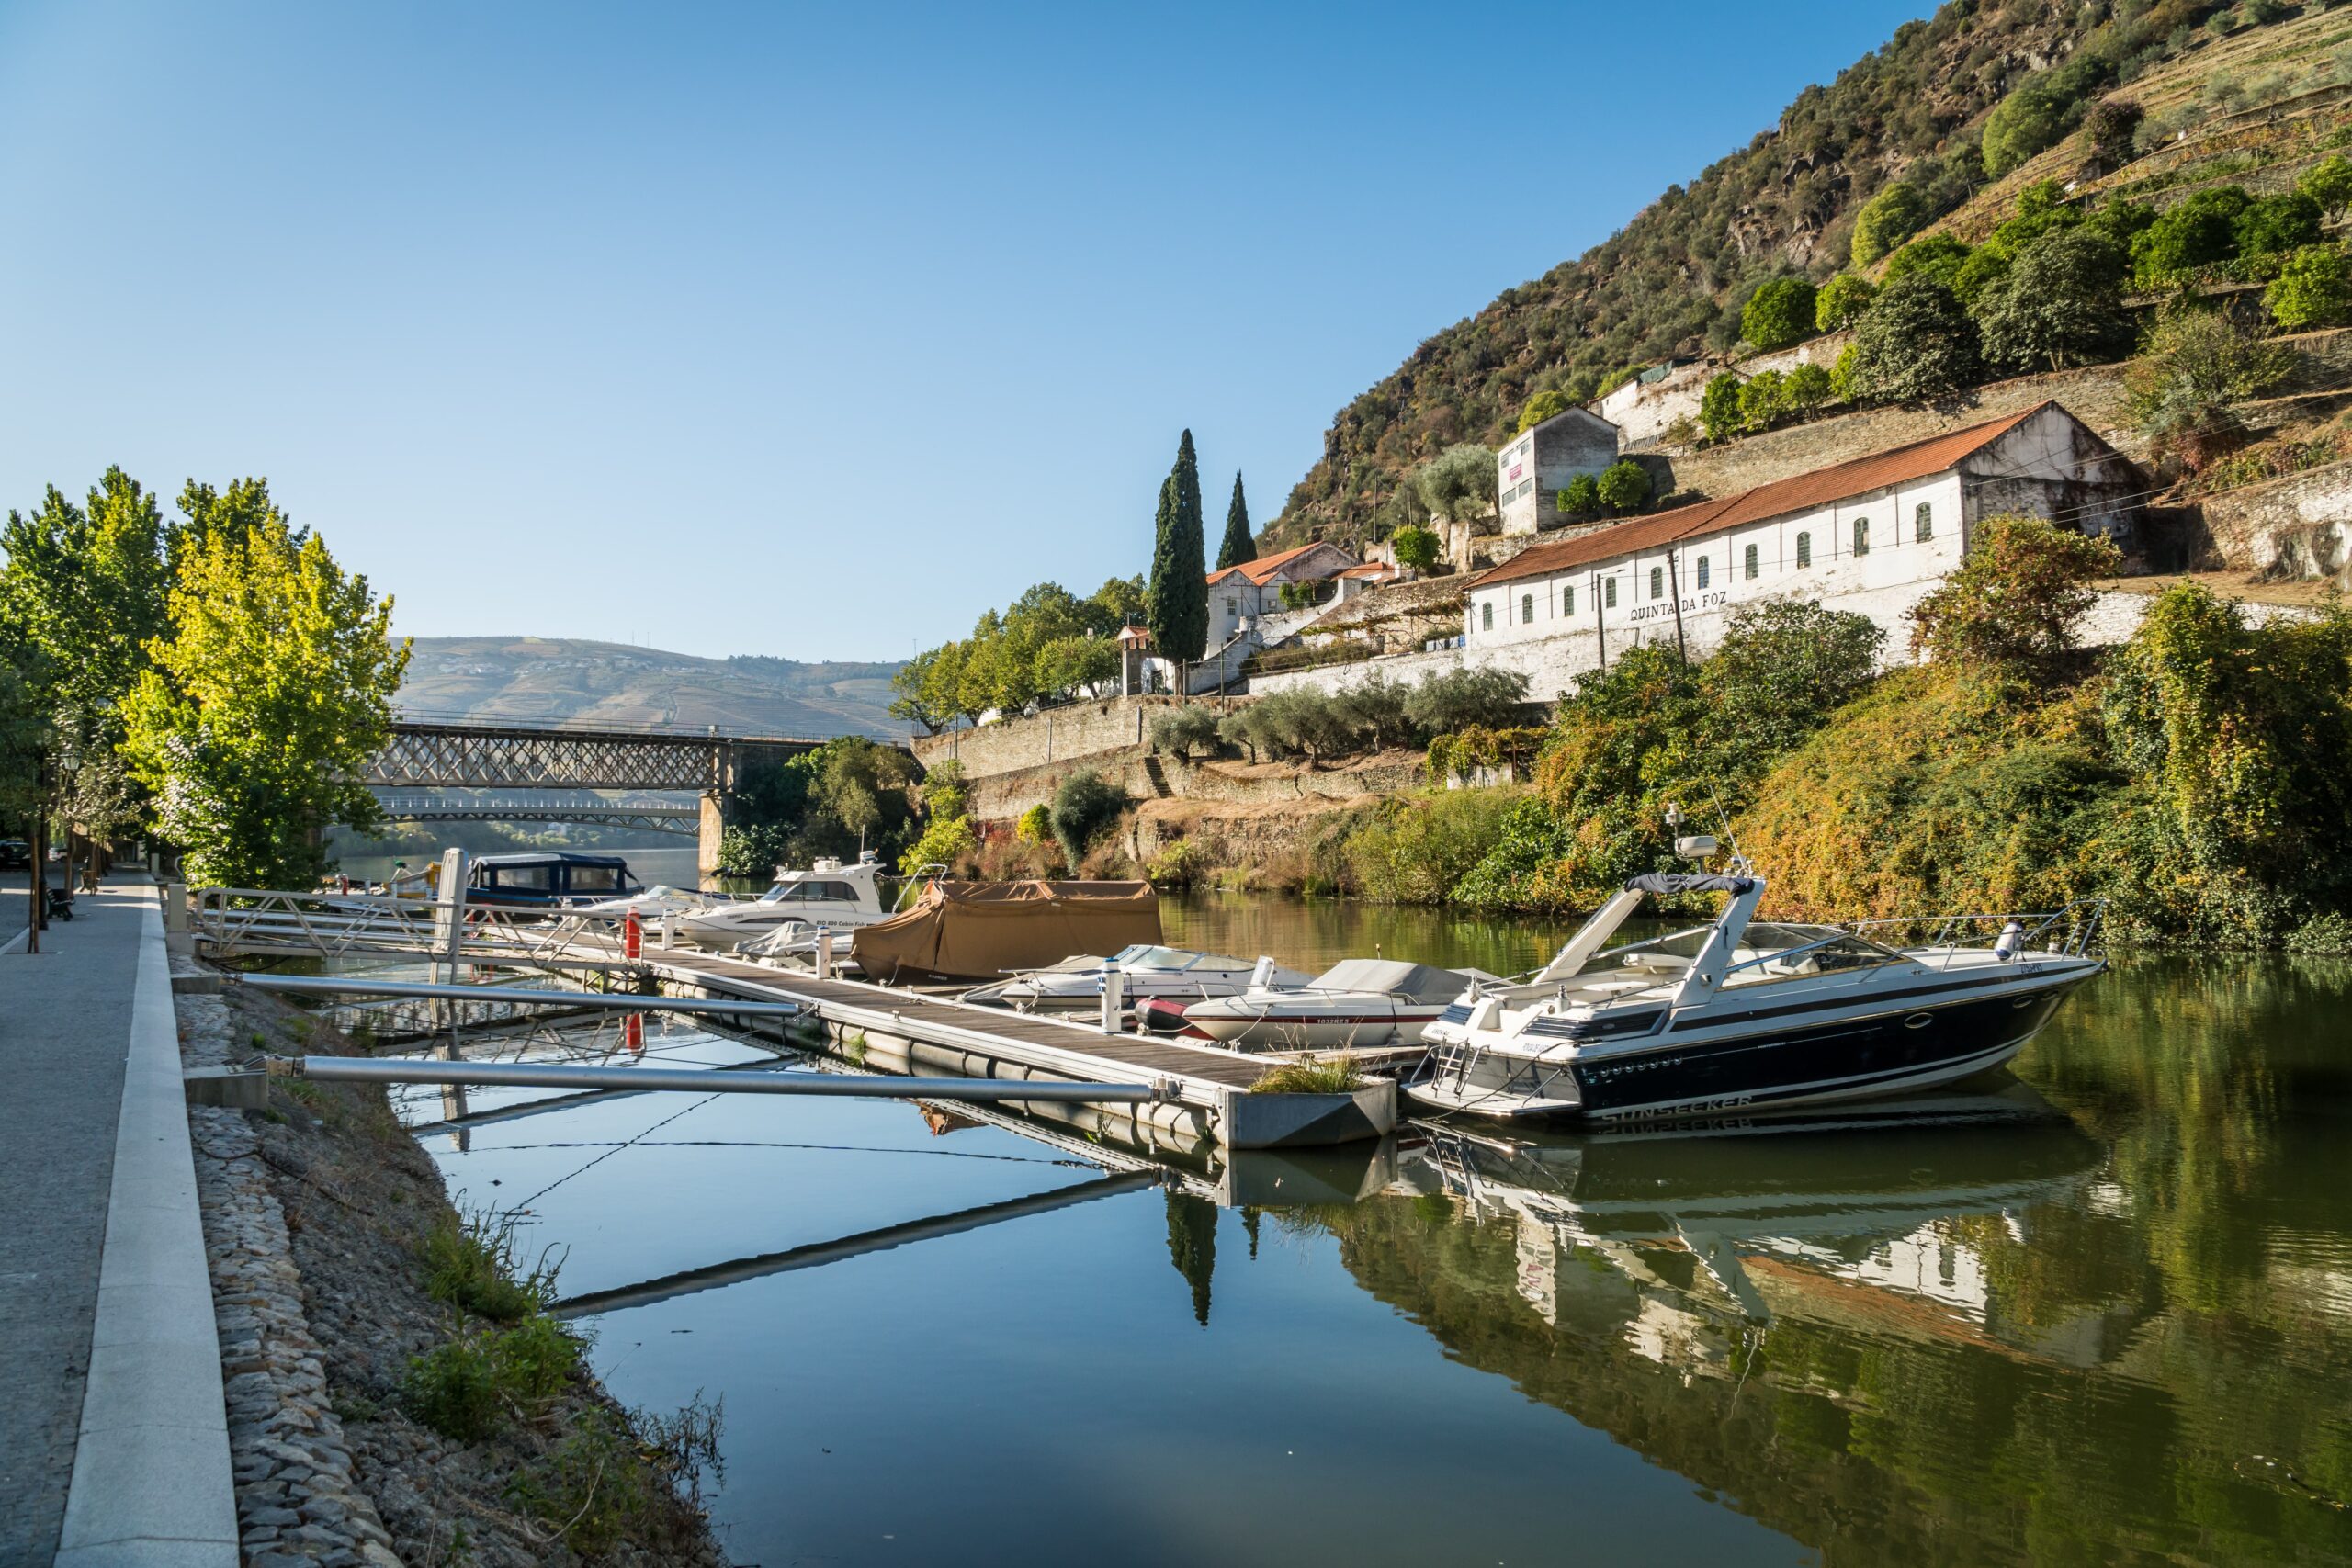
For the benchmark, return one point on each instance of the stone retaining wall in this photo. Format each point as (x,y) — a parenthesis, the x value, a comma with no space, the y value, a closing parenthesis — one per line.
(1058,735)
(2299,526)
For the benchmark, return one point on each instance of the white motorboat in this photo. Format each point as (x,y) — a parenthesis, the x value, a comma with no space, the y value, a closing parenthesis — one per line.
(1744,1013)
(1146,973)
(1357,1002)
(828,894)
(651,905)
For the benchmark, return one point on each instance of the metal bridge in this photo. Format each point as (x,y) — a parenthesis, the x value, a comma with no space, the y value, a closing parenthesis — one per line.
(649,813)
(534,760)
(423,755)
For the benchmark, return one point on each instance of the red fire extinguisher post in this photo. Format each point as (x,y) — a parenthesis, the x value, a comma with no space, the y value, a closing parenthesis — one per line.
(632,934)
(633,1031)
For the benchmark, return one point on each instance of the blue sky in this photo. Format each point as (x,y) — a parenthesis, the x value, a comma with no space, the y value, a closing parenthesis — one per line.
(804,332)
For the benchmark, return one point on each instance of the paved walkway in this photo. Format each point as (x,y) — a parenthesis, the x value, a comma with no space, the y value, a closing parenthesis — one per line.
(64,1024)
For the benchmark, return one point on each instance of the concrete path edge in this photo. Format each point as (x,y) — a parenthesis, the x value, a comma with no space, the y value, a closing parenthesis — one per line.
(151,1484)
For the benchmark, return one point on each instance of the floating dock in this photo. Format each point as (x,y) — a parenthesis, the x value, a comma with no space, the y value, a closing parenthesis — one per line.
(1206,1099)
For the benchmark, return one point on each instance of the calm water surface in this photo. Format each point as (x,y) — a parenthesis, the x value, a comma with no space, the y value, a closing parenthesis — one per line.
(2101,1316)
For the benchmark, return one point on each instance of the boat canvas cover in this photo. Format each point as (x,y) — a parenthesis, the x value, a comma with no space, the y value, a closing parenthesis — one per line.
(1417,982)
(984,930)
(1687,881)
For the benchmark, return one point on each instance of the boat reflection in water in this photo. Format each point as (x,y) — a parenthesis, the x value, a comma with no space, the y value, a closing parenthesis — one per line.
(1874,1214)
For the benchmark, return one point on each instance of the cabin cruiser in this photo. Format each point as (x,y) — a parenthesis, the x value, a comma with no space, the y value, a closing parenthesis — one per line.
(1146,973)
(548,879)
(1745,1013)
(1356,1002)
(828,893)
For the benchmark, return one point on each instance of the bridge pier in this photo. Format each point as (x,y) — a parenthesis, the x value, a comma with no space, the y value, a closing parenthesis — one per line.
(715,809)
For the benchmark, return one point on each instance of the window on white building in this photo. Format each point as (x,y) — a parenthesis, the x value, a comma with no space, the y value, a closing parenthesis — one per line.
(1861,535)
(1568,599)
(1923,523)
(1609,592)
(1485,617)
(1804,551)
(1233,606)
(1657,583)
(1526,608)
(1702,572)
(1749,566)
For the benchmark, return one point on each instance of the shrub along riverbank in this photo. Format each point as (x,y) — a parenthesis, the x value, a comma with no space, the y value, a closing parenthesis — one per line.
(2199,776)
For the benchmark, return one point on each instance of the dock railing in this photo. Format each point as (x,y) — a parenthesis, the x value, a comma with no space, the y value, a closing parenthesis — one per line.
(338,925)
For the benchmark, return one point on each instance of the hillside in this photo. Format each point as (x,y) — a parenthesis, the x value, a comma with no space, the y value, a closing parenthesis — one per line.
(549,679)
(1672,281)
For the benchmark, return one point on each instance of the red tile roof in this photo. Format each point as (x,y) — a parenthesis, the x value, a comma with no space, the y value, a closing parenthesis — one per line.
(1260,571)
(1799,492)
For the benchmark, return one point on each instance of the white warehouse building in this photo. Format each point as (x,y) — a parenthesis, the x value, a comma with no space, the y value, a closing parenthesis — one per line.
(1872,536)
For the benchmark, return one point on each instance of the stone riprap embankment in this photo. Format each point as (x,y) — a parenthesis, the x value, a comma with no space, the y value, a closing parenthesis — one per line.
(316,1212)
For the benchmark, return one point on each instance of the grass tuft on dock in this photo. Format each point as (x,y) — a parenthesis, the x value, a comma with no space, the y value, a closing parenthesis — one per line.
(1312,1075)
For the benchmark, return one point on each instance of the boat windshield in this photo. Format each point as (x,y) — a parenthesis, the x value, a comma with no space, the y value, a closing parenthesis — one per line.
(1143,955)
(1776,949)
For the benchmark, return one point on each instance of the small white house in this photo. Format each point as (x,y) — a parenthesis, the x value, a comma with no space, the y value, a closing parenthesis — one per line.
(1536,465)
(1872,536)
(1240,596)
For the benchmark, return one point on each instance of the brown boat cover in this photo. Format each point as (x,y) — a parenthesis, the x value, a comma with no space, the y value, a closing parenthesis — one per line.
(985,931)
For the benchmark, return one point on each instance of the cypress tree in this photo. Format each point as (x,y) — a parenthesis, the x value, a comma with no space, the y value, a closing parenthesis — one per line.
(1237,546)
(1176,605)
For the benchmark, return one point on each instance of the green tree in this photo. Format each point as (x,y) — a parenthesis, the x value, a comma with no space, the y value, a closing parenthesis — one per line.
(2061,304)
(1416,548)
(1984,266)
(2277,224)
(85,589)
(914,689)
(1582,496)
(1760,399)
(1936,255)
(2200,228)
(1915,343)
(1898,211)
(272,690)
(1624,486)
(1779,314)
(2111,126)
(2016,597)
(1084,807)
(2029,119)
(1458,484)
(1807,387)
(2329,183)
(1841,300)
(2195,368)
(1119,602)
(1549,403)
(1719,413)
(1238,547)
(2314,289)
(1178,608)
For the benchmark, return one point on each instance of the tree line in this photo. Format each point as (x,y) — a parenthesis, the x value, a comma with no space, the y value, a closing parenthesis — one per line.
(1050,645)
(215,677)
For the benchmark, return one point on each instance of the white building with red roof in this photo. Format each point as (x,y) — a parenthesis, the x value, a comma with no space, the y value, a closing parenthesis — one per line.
(1874,536)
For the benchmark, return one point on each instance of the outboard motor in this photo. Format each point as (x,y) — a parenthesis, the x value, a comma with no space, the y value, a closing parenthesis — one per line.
(2012,938)
(1262,973)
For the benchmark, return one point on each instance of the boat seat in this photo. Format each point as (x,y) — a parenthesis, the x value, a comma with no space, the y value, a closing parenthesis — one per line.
(1663,963)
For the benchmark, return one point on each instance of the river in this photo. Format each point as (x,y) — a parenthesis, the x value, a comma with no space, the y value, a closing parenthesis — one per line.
(2100,1314)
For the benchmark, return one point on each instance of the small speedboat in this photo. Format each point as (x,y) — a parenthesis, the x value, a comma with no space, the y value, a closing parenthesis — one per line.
(1745,1013)
(1146,973)
(650,905)
(1356,1002)
(828,894)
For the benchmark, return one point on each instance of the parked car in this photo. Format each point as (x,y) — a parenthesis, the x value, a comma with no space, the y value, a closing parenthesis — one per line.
(15,853)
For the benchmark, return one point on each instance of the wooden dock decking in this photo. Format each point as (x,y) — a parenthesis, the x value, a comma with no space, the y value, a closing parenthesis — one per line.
(1121,1058)
(1203,1092)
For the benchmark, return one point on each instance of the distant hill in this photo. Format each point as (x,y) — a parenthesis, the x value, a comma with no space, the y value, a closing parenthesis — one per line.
(549,679)
(1672,281)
